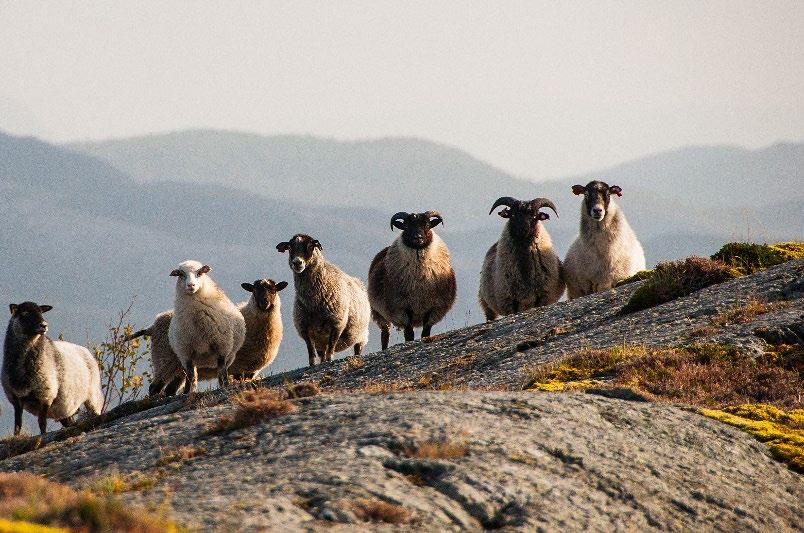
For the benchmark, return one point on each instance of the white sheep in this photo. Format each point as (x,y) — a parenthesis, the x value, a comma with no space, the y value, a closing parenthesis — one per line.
(607,249)
(48,378)
(331,311)
(521,270)
(207,329)
(411,282)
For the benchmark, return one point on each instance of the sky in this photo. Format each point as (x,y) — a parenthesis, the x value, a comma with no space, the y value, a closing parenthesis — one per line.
(540,89)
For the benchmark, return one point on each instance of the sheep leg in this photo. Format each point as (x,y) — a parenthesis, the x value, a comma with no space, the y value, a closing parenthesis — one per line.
(43,409)
(334,335)
(385,336)
(17,403)
(191,385)
(155,387)
(427,325)
(358,349)
(515,306)
(310,350)
(223,372)
(409,328)
(490,315)
(67,422)
(174,385)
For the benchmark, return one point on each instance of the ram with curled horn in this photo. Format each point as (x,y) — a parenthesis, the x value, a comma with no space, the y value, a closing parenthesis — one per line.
(411,282)
(521,270)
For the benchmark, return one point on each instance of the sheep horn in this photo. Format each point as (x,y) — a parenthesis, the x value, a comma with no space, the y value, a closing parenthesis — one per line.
(509,201)
(544,202)
(399,216)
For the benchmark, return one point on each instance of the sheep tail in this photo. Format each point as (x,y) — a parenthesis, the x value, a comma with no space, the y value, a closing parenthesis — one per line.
(136,335)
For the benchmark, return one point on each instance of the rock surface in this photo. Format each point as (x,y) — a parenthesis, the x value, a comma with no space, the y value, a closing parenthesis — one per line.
(533,461)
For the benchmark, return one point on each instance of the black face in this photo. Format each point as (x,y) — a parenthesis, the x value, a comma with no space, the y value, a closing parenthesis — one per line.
(524,216)
(417,227)
(597,196)
(264,292)
(302,248)
(29,317)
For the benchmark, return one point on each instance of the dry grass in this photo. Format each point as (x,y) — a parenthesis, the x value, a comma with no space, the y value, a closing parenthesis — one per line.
(302,390)
(116,483)
(705,375)
(436,449)
(384,387)
(674,279)
(747,312)
(253,407)
(28,499)
(181,454)
(373,510)
(354,362)
(18,444)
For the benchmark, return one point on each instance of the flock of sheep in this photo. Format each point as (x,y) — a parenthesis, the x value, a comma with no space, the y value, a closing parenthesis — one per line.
(411,284)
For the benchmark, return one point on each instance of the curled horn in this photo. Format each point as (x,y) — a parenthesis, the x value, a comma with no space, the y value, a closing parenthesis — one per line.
(399,216)
(508,201)
(544,202)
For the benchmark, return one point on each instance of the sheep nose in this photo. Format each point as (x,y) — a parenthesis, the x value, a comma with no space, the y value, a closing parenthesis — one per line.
(42,327)
(597,211)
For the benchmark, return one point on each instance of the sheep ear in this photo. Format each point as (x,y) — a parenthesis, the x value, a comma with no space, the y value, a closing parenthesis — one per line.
(398,224)
(281,285)
(247,286)
(317,244)
(45,308)
(543,216)
(13,309)
(204,269)
(578,189)
(176,272)
(616,189)
(505,213)
(435,221)
(283,247)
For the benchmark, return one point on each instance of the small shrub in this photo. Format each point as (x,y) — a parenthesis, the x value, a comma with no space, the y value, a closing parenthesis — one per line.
(436,449)
(354,362)
(253,407)
(119,361)
(373,510)
(14,445)
(746,313)
(782,431)
(32,499)
(748,258)
(674,279)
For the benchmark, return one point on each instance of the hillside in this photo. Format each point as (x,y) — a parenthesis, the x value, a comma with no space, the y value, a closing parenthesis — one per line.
(440,435)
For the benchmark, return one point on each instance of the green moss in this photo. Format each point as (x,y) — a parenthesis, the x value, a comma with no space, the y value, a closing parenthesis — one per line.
(642,275)
(782,431)
(674,279)
(748,258)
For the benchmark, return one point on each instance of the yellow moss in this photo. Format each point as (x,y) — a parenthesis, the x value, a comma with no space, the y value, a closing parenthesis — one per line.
(558,386)
(782,431)
(8,526)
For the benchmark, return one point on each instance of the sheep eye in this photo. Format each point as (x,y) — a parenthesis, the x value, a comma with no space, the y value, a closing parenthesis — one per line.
(199,273)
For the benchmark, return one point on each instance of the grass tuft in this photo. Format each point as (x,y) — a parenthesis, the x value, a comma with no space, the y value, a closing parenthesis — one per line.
(436,449)
(746,312)
(29,499)
(642,275)
(674,279)
(748,258)
(302,390)
(253,407)
(181,454)
(373,510)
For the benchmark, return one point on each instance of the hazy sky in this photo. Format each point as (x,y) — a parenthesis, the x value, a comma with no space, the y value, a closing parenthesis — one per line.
(541,89)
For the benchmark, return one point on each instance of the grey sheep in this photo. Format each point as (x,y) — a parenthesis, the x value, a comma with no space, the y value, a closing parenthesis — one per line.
(521,270)
(607,249)
(411,282)
(51,379)
(331,310)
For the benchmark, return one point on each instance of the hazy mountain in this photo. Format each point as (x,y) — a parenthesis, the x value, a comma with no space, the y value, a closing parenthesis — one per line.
(85,232)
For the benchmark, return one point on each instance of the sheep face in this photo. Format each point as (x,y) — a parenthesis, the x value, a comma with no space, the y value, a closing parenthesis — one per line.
(417,228)
(597,196)
(264,292)
(523,216)
(302,251)
(27,319)
(190,276)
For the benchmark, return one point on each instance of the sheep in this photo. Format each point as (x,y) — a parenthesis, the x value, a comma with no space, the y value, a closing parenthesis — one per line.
(331,310)
(521,270)
(607,249)
(263,335)
(411,282)
(206,329)
(48,378)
